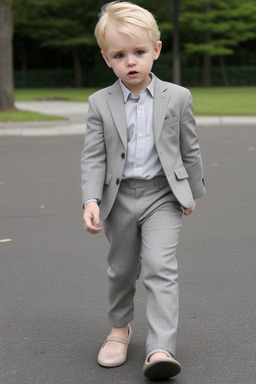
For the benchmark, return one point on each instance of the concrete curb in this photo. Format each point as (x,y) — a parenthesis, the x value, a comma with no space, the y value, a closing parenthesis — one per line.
(62,128)
(225,120)
(42,130)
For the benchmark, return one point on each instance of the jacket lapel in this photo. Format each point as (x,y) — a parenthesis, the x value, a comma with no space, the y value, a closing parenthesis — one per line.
(160,106)
(116,104)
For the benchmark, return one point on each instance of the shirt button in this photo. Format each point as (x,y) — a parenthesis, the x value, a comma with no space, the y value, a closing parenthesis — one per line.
(117,181)
(123,155)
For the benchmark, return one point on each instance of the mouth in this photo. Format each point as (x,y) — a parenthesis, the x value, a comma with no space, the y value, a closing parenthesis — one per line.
(132,73)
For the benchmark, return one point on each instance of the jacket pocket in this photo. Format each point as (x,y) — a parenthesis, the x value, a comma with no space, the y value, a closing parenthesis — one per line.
(181,172)
(108,177)
(171,121)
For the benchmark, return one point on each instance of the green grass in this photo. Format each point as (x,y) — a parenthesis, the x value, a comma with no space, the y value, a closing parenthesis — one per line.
(15,115)
(72,94)
(237,101)
(233,101)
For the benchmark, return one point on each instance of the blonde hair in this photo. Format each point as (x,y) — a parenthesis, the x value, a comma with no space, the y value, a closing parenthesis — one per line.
(125,15)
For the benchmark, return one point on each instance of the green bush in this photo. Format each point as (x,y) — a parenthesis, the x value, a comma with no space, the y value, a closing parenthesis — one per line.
(101,76)
(42,78)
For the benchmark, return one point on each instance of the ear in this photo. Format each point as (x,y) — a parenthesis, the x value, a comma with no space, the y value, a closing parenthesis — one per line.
(157,49)
(105,57)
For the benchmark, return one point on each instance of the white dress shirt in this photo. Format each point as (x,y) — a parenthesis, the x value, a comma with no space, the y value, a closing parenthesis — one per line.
(142,161)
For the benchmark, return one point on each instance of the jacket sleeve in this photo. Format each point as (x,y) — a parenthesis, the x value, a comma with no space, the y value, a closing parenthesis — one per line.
(93,158)
(190,149)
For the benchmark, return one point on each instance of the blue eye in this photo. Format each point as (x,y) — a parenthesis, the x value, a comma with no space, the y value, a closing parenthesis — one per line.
(140,53)
(119,56)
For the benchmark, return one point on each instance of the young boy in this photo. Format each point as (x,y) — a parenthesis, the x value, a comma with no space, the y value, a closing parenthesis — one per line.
(141,171)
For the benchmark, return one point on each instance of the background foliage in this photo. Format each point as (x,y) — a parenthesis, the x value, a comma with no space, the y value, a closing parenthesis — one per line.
(54,43)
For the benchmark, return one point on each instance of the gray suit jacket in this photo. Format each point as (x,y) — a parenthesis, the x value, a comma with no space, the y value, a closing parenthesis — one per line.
(103,157)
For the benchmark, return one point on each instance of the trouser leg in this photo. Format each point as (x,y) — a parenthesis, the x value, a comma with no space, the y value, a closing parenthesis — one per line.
(160,234)
(124,261)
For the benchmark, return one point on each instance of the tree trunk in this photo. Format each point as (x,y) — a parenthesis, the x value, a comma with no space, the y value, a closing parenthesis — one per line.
(224,72)
(207,64)
(197,72)
(207,59)
(24,67)
(6,59)
(176,43)
(77,68)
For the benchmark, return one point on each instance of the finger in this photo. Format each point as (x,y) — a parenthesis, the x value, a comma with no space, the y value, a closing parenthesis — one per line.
(93,231)
(188,211)
(96,219)
(90,227)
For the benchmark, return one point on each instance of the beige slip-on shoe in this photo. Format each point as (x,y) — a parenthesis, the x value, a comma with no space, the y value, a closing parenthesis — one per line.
(162,368)
(108,358)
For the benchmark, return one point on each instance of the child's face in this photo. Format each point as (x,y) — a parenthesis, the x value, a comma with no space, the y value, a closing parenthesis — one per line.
(131,58)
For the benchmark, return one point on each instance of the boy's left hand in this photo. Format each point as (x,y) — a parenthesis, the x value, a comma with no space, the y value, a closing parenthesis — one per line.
(190,210)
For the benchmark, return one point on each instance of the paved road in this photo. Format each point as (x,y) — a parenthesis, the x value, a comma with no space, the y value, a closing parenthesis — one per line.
(52,274)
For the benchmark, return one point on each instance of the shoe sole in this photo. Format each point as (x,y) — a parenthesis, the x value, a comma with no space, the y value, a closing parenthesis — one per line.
(111,365)
(161,370)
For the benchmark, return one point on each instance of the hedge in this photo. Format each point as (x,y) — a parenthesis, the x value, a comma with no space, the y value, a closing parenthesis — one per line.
(102,76)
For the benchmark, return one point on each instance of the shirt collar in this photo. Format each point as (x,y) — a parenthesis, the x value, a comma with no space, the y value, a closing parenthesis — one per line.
(150,88)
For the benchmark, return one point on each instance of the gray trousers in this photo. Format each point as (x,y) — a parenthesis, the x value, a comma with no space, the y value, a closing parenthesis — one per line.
(143,230)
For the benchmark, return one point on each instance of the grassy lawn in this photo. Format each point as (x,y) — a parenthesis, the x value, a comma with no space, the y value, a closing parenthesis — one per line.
(15,115)
(234,101)
(72,94)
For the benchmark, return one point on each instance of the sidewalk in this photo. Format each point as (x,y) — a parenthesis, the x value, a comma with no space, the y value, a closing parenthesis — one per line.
(74,117)
(73,123)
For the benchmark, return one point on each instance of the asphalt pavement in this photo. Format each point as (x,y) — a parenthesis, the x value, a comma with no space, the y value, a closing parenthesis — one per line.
(53,274)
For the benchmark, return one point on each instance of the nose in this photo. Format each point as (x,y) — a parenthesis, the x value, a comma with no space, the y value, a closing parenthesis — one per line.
(130,60)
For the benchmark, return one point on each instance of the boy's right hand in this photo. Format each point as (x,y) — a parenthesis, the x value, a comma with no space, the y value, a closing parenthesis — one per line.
(91,218)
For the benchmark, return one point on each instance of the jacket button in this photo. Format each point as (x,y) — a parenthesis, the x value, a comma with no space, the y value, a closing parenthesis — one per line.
(123,155)
(117,181)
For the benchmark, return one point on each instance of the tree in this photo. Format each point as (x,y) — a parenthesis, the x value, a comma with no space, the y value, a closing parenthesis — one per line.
(58,24)
(6,60)
(216,28)
(176,43)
